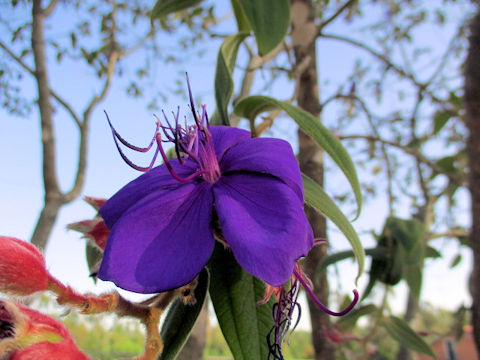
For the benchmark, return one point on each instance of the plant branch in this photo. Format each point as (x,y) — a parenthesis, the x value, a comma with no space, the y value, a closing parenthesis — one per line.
(57,97)
(49,9)
(339,11)
(82,152)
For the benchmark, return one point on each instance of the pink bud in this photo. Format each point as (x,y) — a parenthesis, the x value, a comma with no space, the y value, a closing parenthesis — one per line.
(34,336)
(22,267)
(97,203)
(95,230)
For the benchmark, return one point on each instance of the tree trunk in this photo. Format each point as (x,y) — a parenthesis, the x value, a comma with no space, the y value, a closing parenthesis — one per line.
(45,223)
(311,161)
(52,192)
(412,308)
(472,107)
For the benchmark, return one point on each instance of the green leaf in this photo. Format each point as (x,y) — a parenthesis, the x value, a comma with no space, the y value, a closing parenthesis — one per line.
(401,332)
(330,259)
(226,58)
(407,232)
(242,21)
(316,197)
(348,321)
(269,20)
(94,255)
(165,7)
(234,294)
(252,106)
(181,318)
(456,260)
(413,276)
(431,252)
(440,120)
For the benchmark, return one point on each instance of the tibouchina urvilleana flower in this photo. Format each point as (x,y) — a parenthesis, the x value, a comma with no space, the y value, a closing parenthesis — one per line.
(163,223)
(245,192)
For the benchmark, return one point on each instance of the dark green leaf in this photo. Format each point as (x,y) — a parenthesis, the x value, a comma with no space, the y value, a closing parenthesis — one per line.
(269,20)
(252,106)
(401,332)
(319,200)
(406,232)
(456,100)
(433,253)
(94,255)
(165,7)
(181,318)
(348,321)
(447,164)
(242,21)
(342,255)
(413,276)
(234,294)
(456,260)
(440,120)
(226,58)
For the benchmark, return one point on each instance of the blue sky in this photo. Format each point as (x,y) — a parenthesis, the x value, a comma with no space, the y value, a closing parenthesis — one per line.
(20,179)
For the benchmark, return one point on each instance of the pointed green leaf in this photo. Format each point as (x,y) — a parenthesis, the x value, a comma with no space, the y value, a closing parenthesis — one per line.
(181,318)
(456,260)
(251,106)
(319,200)
(409,234)
(166,7)
(330,259)
(431,252)
(94,256)
(234,294)
(226,59)
(242,21)
(413,276)
(403,333)
(348,321)
(440,120)
(269,21)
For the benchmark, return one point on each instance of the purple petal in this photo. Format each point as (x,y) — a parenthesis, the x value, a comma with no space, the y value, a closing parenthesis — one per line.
(263,222)
(162,242)
(156,179)
(267,156)
(224,137)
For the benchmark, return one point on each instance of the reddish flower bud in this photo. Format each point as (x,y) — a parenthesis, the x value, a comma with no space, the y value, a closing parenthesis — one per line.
(97,203)
(95,230)
(26,334)
(22,267)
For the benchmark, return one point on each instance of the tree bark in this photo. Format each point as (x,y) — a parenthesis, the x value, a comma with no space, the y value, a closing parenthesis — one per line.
(472,107)
(311,162)
(52,196)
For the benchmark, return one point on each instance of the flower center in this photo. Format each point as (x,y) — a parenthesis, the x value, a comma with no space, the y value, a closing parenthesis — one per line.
(192,143)
(6,323)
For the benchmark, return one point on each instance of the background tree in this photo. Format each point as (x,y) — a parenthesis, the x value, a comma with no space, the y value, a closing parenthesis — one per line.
(472,107)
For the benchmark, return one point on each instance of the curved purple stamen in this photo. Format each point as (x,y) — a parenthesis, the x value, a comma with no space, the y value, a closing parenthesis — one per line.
(192,143)
(319,303)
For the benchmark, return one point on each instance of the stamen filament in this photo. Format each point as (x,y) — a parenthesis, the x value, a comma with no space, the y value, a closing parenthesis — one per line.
(126,143)
(166,161)
(319,303)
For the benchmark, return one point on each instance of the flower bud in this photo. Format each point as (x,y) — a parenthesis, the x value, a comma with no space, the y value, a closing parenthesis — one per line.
(22,267)
(26,334)
(96,203)
(94,230)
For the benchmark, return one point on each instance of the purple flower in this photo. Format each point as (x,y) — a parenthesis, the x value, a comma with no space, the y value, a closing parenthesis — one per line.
(245,191)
